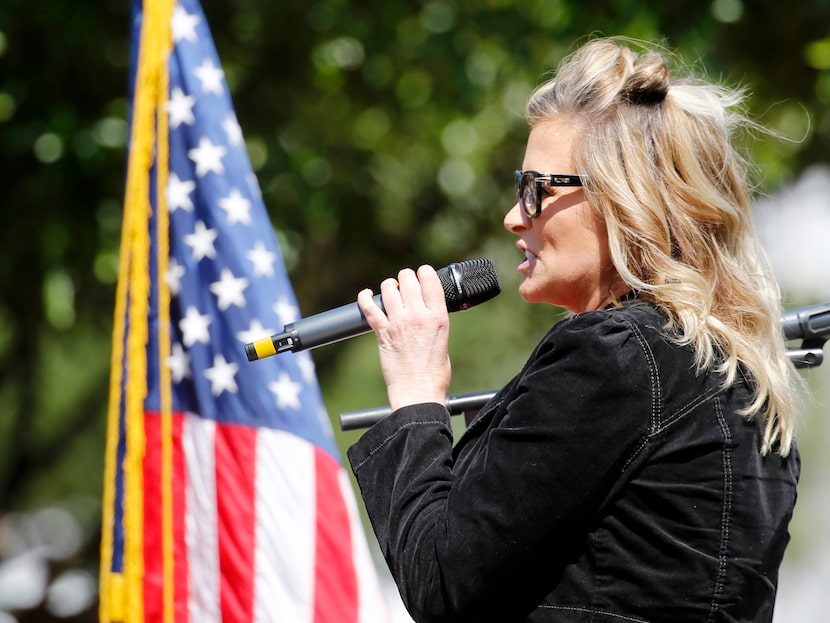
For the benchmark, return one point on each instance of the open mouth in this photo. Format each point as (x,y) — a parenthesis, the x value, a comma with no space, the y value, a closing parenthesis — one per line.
(529,259)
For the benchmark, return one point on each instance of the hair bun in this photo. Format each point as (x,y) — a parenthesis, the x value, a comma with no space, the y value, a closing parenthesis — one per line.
(649,82)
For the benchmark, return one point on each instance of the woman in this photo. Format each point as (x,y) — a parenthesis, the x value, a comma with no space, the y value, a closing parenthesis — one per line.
(641,466)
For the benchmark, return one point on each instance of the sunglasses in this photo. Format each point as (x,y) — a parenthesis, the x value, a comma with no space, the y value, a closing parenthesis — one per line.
(529,186)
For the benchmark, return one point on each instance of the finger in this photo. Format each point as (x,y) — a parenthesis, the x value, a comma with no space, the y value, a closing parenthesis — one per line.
(433,291)
(410,288)
(391,297)
(374,314)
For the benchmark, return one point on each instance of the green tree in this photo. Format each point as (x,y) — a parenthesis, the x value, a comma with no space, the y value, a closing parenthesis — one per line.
(384,134)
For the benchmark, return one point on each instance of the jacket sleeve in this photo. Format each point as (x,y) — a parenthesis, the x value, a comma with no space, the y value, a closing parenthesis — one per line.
(484,539)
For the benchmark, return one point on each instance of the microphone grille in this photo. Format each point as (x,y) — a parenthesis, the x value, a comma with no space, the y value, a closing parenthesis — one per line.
(469,283)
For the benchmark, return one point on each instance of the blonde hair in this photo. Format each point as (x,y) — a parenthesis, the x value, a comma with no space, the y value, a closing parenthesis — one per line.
(676,198)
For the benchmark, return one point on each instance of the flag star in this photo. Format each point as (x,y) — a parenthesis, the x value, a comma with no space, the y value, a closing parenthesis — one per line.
(286,391)
(184,25)
(174,275)
(178,193)
(232,129)
(255,332)
(306,365)
(201,241)
(263,260)
(194,327)
(228,290)
(237,207)
(180,108)
(179,363)
(208,157)
(286,310)
(221,376)
(210,76)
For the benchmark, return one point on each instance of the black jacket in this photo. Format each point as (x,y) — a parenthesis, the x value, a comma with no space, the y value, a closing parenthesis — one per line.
(606,482)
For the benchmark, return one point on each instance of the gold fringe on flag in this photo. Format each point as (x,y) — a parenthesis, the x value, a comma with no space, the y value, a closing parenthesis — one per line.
(121,595)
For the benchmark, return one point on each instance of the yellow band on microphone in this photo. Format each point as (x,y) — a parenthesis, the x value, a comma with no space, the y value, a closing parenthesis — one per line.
(264,347)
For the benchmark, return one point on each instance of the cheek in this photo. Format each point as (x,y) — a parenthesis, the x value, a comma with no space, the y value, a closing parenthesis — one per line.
(592,231)
(578,243)
(569,232)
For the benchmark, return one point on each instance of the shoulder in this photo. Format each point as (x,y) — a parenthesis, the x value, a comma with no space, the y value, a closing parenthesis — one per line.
(593,355)
(592,378)
(631,328)
(636,312)
(625,353)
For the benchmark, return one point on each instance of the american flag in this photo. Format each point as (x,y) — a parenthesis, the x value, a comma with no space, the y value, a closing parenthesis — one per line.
(225,498)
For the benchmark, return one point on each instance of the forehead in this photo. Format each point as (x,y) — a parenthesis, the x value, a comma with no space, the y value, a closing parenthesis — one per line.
(550,147)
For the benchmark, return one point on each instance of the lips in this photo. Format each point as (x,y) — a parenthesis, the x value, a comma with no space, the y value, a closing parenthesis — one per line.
(529,257)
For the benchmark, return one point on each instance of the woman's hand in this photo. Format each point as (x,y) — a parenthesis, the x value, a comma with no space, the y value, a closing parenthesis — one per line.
(412,336)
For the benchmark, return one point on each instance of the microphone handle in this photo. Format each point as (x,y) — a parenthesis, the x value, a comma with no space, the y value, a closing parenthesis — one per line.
(329,326)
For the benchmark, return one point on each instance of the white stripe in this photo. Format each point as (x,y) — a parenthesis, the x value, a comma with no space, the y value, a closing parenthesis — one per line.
(201,531)
(371,603)
(285,528)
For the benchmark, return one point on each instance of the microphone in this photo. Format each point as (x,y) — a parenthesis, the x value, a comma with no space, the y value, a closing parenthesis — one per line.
(465,284)
(811,325)
(807,323)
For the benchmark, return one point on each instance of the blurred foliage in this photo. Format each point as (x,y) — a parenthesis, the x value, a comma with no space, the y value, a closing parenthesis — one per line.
(384,135)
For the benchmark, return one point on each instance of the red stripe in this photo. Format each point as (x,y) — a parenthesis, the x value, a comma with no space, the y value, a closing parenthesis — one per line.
(153,570)
(180,568)
(153,525)
(335,585)
(235,495)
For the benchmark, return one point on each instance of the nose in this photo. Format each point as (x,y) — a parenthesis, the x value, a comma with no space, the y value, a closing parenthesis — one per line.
(516,221)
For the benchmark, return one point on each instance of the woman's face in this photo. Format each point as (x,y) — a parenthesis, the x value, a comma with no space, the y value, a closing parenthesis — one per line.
(567,262)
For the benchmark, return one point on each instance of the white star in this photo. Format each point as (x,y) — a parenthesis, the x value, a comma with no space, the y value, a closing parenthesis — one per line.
(237,207)
(179,363)
(210,76)
(184,25)
(232,129)
(228,290)
(286,310)
(208,157)
(194,327)
(255,332)
(201,241)
(286,391)
(306,365)
(262,259)
(180,108)
(174,275)
(178,193)
(221,376)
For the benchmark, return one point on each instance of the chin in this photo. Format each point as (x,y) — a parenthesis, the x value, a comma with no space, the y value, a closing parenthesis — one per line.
(530,294)
(535,295)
